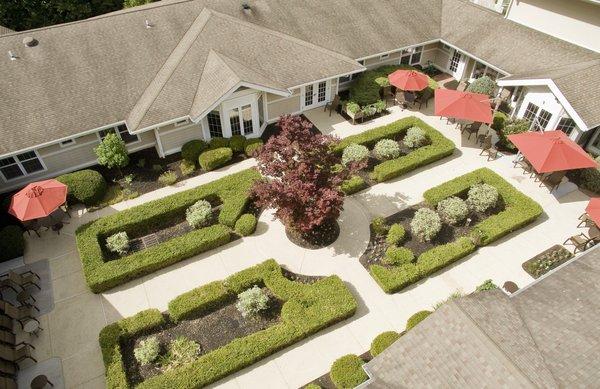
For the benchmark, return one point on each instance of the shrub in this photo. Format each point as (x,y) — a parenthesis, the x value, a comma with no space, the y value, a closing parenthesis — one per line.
(237,143)
(186,168)
(395,234)
(352,185)
(484,85)
(252,301)
(453,210)
(354,153)
(382,81)
(352,107)
(383,341)
(425,224)
(218,142)
(486,285)
(387,149)
(482,197)
(398,256)
(215,158)
(379,225)
(513,126)
(198,215)
(118,243)
(135,3)
(85,186)
(182,351)
(147,351)
(415,137)
(167,178)
(112,152)
(246,224)
(347,372)
(499,121)
(191,150)
(589,178)
(416,319)
(253,146)
(12,243)
(379,106)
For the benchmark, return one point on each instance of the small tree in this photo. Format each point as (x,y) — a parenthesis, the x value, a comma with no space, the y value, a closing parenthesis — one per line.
(302,176)
(112,153)
(484,85)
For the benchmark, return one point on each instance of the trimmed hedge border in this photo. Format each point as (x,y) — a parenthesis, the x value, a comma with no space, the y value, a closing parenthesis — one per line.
(307,309)
(519,211)
(347,372)
(439,147)
(101,275)
(383,341)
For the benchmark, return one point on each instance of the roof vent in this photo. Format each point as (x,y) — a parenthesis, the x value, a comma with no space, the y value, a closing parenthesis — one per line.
(246,8)
(12,56)
(148,24)
(29,41)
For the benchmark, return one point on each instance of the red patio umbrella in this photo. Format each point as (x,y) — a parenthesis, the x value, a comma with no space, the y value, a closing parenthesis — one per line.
(551,151)
(38,199)
(593,210)
(463,105)
(409,80)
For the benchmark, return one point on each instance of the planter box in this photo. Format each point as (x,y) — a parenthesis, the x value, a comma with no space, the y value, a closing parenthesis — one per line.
(553,261)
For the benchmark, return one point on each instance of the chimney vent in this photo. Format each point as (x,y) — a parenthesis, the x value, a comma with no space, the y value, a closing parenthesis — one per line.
(12,56)
(29,41)
(246,8)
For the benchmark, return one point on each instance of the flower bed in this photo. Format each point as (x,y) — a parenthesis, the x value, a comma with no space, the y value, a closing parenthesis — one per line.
(547,260)
(306,309)
(518,211)
(101,273)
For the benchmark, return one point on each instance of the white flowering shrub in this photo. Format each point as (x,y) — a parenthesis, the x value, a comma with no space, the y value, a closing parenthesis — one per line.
(387,149)
(252,301)
(198,214)
(426,224)
(118,243)
(482,197)
(415,137)
(182,351)
(453,210)
(147,351)
(354,153)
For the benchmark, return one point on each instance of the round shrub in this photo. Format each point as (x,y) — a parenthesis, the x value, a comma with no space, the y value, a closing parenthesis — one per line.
(118,243)
(415,137)
(397,256)
(484,85)
(147,351)
(382,81)
(387,149)
(395,234)
(191,150)
(511,127)
(181,352)
(253,146)
(198,214)
(246,224)
(85,186)
(252,301)
(186,167)
(453,210)
(354,153)
(426,224)
(217,142)
(416,319)
(167,178)
(383,341)
(379,225)
(237,143)
(12,243)
(215,158)
(347,372)
(482,197)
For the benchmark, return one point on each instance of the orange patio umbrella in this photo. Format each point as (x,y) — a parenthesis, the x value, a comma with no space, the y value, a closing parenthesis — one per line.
(551,151)
(38,199)
(463,105)
(593,210)
(409,80)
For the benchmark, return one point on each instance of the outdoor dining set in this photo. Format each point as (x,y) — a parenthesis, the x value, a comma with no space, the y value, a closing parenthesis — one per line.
(590,220)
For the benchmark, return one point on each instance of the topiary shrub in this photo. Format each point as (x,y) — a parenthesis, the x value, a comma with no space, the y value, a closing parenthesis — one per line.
(147,351)
(395,234)
(347,372)
(12,243)
(217,142)
(237,143)
(453,210)
(484,85)
(198,214)
(396,256)
(415,137)
(167,178)
(191,150)
(515,126)
(85,186)
(118,243)
(416,319)
(215,158)
(181,352)
(354,153)
(246,224)
(482,197)
(252,301)
(379,225)
(425,224)
(253,146)
(383,341)
(387,149)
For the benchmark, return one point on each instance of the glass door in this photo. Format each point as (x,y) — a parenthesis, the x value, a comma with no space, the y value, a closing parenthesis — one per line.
(241,120)
(456,65)
(315,95)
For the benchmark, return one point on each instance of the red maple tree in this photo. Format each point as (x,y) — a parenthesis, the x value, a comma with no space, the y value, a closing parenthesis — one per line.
(301,176)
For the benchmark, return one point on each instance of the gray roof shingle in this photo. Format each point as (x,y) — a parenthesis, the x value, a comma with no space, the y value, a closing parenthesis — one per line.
(5,30)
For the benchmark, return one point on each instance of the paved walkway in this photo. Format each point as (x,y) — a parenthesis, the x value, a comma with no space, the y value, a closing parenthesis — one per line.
(73,326)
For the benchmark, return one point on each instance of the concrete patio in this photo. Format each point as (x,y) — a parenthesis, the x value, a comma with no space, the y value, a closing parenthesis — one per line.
(71,328)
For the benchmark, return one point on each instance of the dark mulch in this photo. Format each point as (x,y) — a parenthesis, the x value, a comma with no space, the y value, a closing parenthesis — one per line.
(325,381)
(547,260)
(319,237)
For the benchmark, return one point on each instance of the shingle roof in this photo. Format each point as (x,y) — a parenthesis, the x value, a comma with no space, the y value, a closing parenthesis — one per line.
(543,336)
(5,30)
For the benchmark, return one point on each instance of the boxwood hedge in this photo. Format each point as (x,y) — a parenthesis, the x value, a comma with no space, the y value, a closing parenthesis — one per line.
(439,147)
(101,274)
(307,309)
(519,210)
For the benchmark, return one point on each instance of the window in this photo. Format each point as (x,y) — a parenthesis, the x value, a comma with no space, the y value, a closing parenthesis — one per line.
(455,61)
(21,165)
(416,57)
(261,115)
(531,112)
(384,56)
(247,119)
(542,120)
(308,95)
(566,125)
(446,48)
(67,143)
(120,130)
(344,79)
(322,91)
(234,122)
(214,124)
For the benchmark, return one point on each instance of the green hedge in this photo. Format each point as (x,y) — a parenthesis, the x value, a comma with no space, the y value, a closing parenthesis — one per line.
(519,210)
(383,341)
(191,150)
(12,243)
(352,185)
(246,224)
(252,146)
(347,372)
(215,158)
(416,319)
(439,147)
(101,275)
(307,309)
(85,186)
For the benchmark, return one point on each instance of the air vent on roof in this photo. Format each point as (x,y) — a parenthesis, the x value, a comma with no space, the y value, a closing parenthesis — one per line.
(29,41)
(12,55)
(246,8)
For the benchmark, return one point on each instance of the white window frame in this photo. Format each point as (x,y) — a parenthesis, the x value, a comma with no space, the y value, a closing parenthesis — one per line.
(67,143)
(567,129)
(384,56)
(315,90)
(237,104)
(116,130)
(20,166)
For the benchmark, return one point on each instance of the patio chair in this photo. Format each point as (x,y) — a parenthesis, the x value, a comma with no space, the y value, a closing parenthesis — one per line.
(32,226)
(472,128)
(524,164)
(410,98)
(585,221)
(8,284)
(16,354)
(488,149)
(6,323)
(552,181)
(20,314)
(7,369)
(388,95)
(580,242)
(424,98)
(400,99)
(332,105)
(10,339)
(8,383)
(24,280)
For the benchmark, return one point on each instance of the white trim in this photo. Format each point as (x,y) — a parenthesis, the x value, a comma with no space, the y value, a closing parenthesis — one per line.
(384,56)
(62,151)
(328,78)
(284,98)
(119,134)
(191,124)
(181,122)
(161,152)
(71,143)
(475,57)
(162,124)
(19,164)
(397,50)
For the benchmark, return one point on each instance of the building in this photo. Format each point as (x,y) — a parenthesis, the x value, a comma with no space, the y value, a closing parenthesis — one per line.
(543,336)
(168,72)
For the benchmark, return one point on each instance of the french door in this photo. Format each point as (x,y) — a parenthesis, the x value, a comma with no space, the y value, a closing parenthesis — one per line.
(456,65)
(315,95)
(241,120)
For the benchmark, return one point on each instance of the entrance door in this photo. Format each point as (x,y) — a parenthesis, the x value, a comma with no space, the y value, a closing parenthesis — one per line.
(241,120)
(315,95)
(456,65)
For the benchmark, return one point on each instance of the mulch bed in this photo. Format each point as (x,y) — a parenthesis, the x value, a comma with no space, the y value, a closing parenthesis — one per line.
(319,237)
(547,260)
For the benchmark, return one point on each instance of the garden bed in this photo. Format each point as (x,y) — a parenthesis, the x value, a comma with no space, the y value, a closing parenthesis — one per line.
(228,343)
(547,260)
